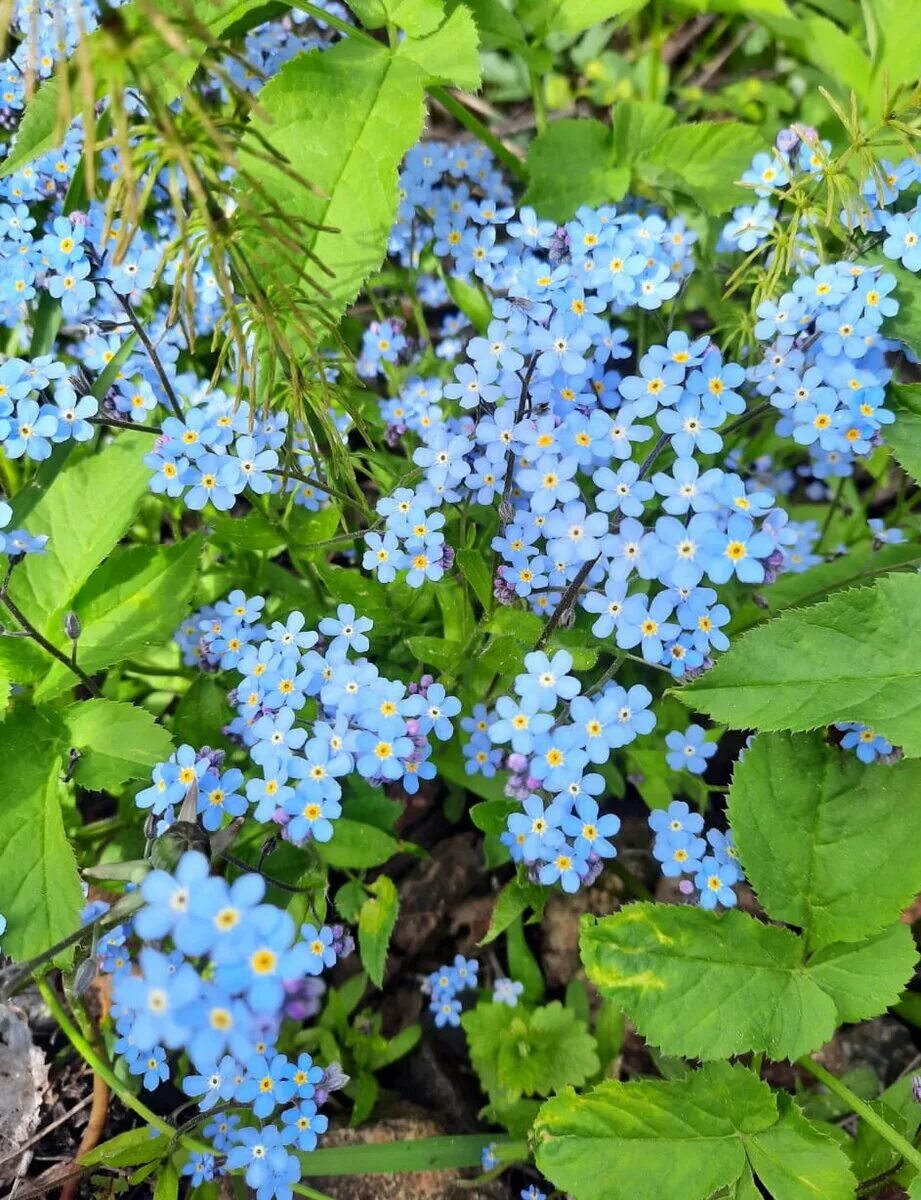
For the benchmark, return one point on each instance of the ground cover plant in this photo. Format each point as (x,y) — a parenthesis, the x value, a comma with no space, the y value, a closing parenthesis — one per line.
(460,600)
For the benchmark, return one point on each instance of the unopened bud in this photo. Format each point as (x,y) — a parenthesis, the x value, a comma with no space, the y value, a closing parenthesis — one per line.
(72,626)
(83,976)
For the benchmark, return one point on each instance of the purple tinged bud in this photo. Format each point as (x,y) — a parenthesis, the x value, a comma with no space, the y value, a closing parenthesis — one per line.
(686,887)
(517,763)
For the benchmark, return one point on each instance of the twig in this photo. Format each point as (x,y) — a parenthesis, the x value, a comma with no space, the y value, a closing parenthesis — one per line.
(40,638)
(151,353)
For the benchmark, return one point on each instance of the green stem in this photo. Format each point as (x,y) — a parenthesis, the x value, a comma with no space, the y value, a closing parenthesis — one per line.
(105,1072)
(537,99)
(829,516)
(862,1109)
(474,125)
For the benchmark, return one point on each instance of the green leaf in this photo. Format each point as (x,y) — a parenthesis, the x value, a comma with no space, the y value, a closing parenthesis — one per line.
(895,45)
(865,978)
(851,658)
(343,118)
(836,53)
(39,886)
(811,821)
(117,742)
(516,1053)
(797,590)
(904,435)
(134,600)
(570,165)
(375,925)
(128,1149)
(201,713)
(637,125)
(795,1160)
(440,652)
(474,566)
(85,512)
(704,986)
(678,1140)
(499,29)
(167,1186)
(390,1158)
(357,845)
(415,16)
(703,161)
(522,965)
(512,902)
(572,16)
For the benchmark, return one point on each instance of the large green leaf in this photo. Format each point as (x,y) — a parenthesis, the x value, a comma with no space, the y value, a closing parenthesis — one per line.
(134,600)
(904,435)
(173,67)
(572,16)
(894,36)
(703,161)
(39,885)
(852,658)
(117,742)
(571,164)
(343,118)
(415,16)
(686,1139)
(811,822)
(85,511)
(704,986)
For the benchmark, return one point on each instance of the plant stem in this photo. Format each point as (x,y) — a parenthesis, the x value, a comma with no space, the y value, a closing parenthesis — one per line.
(42,641)
(151,353)
(105,1072)
(474,125)
(830,515)
(537,99)
(862,1109)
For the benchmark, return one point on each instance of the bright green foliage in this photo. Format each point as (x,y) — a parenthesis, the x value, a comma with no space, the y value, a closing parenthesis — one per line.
(826,841)
(702,162)
(116,741)
(572,16)
(906,323)
(571,164)
(357,845)
(86,511)
(704,986)
(520,1053)
(375,925)
(904,436)
(587,162)
(134,600)
(415,16)
(514,900)
(683,1140)
(343,118)
(852,658)
(39,886)
(895,45)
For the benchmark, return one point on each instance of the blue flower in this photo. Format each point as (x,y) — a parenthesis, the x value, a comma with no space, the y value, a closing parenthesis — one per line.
(539,826)
(547,680)
(689,750)
(319,943)
(302,1124)
(714,882)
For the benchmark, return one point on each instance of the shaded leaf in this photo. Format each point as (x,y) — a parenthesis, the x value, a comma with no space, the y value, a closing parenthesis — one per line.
(117,742)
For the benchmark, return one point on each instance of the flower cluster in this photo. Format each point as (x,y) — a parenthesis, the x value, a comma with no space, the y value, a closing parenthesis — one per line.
(365,723)
(445,984)
(214,978)
(706,865)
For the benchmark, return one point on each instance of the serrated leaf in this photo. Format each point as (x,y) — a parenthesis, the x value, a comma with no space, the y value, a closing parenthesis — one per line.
(511,903)
(375,925)
(811,821)
(904,435)
(415,16)
(117,742)
(704,986)
(799,589)
(851,658)
(517,1053)
(343,118)
(136,599)
(795,1160)
(653,1140)
(570,165)
(85,512)
(39,886)
(865,978)
(703,161)
(636,125)
(499,28)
